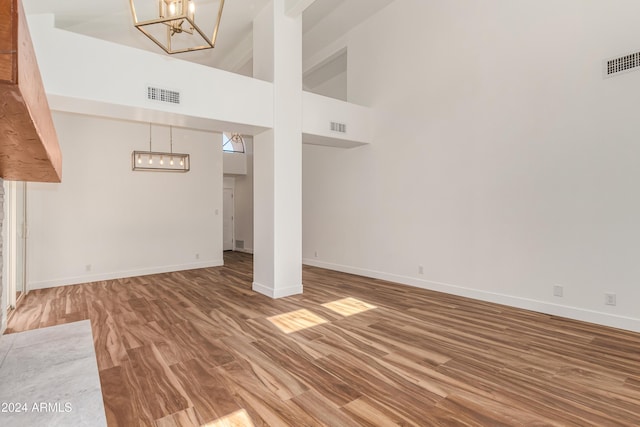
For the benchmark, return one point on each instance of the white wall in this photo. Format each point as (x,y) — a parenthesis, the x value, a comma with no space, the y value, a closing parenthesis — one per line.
(119,222)
(502,162)
(335,87)
(320,111)
(244,201)
(234,163)
(86,75)
(80,77)
(4,238)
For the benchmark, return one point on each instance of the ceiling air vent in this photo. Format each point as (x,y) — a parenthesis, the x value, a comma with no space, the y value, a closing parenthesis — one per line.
(338,127)
(622,64)
(163,95)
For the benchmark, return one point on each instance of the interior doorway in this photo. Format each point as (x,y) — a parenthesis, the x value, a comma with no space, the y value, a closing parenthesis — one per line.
(17,251)
(228,225)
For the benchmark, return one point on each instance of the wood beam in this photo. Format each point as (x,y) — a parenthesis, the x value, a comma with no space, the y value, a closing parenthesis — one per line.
(29,149)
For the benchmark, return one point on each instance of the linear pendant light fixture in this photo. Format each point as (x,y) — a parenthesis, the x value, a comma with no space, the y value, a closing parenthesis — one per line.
(172,26)
(156,161)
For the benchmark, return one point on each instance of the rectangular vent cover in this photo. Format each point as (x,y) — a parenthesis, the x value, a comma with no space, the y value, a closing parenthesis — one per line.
(163,95)
(338,127)
(622,64)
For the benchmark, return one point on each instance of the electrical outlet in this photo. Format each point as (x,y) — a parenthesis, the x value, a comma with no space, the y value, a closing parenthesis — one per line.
(558,291)
(197,256)
(87,267)
(315,254)
(420,269)
(610,299)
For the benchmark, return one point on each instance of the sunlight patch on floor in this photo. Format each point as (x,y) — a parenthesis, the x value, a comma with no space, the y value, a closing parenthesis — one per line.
(348,306)
(239,418)
(296,320)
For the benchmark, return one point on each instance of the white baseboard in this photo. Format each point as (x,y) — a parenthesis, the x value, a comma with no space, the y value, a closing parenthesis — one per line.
(276,293)
(576,313)
(245,250)
(122,274)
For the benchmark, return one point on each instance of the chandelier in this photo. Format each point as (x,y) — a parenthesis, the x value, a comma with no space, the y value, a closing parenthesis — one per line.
(157,161)
(171,23)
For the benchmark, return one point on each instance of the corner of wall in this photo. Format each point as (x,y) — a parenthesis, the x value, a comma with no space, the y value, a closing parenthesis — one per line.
(3,282)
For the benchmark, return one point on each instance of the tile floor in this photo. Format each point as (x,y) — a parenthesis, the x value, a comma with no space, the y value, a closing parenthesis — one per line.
(49,377)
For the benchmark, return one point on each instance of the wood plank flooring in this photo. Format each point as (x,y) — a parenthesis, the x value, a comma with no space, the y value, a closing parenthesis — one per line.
(200,348)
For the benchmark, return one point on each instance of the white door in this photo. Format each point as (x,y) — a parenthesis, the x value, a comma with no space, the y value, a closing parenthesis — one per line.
(227,219)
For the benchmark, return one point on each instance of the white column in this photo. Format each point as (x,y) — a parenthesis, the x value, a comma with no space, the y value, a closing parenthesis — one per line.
(277,49)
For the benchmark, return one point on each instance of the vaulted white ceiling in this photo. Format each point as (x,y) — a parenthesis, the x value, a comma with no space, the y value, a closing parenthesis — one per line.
(323,22)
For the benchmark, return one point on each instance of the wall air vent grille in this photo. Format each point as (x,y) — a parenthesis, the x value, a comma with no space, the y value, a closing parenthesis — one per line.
(338,127)
(163,95)
(622,64)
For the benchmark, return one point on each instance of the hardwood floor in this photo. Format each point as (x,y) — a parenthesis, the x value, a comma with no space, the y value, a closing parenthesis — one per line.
(199,347)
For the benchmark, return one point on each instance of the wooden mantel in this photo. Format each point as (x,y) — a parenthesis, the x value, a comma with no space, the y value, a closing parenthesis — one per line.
(29,149)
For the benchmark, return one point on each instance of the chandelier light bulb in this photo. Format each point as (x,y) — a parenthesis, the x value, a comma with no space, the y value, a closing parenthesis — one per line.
(139,159)
(150,159)
(172,8)
(171,161)
(192,8)
(161,160)
(181,161)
